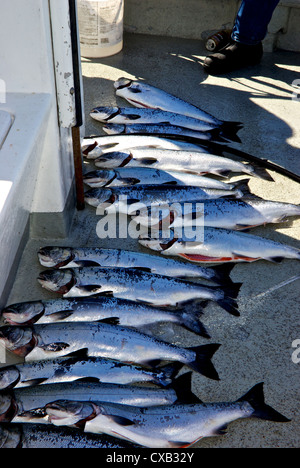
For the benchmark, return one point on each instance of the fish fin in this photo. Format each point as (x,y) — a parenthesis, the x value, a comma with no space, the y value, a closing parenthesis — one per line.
(281,219)
(104,293)
(276,259)
(148,161)
(145,269)
(183,388)
(202,362)
(88,380)
(152,363)
(133,116)
(222,173)
(90,288)
(222,273)
(242,185)
(86,263)
(238,256)
(228,302)
(227,137)
(129,180)
(255,397)
(169,372)
(189,314)
(233,290)
(142,301)
(33,382)
(175,444)
(216,135)
(80,354)
(111,320)
(54,347)
(120,420)
(60,315)
(221,430)
(243,227)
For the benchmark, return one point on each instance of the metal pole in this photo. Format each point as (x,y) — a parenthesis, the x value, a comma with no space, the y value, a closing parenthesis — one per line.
(78,163)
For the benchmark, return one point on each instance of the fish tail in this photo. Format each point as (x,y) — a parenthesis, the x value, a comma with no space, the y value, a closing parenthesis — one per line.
(217,135)
(230,129)
(261,172)
(243,186)
(189,315)
(183,388)
(255,397)
(222,274)
(202,363)
(228,301)
(167,374)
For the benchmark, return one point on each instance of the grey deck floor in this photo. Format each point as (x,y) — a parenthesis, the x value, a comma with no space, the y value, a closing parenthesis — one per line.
(257,346)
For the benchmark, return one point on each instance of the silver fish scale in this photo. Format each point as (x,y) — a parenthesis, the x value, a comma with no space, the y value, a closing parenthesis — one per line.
(232,213)
(36,436)
(39,396)
(150,96)
(148,116)
(159,427)
(70,369)
(142,286)
(104,340)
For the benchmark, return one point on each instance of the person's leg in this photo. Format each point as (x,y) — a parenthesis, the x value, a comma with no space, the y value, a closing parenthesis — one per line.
(251,24)
(250,29)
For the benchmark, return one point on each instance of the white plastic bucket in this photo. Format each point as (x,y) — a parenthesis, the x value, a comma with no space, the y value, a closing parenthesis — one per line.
(100,27)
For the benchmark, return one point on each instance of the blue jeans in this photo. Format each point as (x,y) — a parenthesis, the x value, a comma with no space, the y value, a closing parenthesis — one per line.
(251,25)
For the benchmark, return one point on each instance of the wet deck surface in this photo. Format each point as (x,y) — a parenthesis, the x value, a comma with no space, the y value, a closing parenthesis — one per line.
(257,346)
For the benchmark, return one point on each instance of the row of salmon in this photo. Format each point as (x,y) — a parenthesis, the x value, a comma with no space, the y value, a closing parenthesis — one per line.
(82,354)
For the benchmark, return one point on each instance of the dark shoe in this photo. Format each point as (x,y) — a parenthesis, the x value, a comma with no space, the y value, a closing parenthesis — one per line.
(233,57)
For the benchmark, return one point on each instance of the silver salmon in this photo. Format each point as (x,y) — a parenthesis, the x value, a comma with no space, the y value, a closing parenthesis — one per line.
(219,245)
(172,160)
(175,426)
(143,95)
(70,257)
(163,129)
(149,176)
(103,309)
(223,213)
(71,369)
(129,115)
(128,200)
(44,342)
(92,148)
(135,285)
(27,403)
